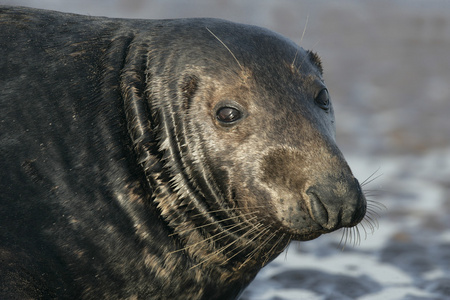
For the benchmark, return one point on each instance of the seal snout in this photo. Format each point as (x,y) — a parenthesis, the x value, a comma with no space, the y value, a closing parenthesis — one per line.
(334,207)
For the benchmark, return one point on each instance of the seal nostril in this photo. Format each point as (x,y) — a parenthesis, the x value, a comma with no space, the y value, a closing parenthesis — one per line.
(319,212)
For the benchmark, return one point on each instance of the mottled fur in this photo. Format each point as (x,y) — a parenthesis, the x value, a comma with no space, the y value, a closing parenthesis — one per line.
(119,181)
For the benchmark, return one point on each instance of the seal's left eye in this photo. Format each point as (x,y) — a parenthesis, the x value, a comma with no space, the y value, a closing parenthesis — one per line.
(323,99)
(228,114)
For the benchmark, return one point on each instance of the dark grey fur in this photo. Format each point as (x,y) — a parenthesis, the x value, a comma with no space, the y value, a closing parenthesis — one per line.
(159,159)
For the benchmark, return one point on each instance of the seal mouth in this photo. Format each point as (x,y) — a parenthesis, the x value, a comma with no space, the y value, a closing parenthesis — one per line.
(312,232)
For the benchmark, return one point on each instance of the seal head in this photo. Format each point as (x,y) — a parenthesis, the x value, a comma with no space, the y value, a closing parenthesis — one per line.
(243,156)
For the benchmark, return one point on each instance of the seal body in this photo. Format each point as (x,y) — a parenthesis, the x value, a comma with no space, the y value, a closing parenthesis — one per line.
(159,159)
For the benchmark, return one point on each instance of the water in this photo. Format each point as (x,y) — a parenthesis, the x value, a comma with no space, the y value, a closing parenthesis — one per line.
(387,66)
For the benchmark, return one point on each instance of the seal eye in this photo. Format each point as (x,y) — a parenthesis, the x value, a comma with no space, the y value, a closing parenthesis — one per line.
(228,114)
(323,99)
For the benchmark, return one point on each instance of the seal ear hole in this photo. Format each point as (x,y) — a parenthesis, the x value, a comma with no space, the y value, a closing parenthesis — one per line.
(323,99)
(188,89)
(315,59)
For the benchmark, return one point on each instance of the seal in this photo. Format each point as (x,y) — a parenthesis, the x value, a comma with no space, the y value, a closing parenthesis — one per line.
(159,159)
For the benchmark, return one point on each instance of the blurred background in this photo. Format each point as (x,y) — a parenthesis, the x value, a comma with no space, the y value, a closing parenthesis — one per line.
(387,67)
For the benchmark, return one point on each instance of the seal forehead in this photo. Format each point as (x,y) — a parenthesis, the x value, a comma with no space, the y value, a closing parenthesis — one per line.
(239,47)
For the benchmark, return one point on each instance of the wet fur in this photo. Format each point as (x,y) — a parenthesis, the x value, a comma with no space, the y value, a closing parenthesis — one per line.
(118,182)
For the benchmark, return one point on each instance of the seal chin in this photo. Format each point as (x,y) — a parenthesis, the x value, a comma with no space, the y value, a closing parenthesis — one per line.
(307,237)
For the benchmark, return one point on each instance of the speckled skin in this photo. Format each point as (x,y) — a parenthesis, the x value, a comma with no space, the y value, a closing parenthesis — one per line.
(119,180)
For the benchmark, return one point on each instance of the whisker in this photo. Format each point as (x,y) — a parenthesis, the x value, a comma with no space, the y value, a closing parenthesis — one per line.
(304,28)
(207,239)
(208,257)
(226,47)
(342,237)
(287,247)
(254,238)
(351,232)
(216,211)
(369,223)
(373,208)
(262,244)
(298,247)
(358,236)
(228,209)
(373,214)
(348,237)
(370,179)
(216,235)
(373,222)
(344,234)
(365,230)
(301,39)
(269,253)
(376,204)
(210,224)
(372,193)
(238,208)
(259,248)
(293,61)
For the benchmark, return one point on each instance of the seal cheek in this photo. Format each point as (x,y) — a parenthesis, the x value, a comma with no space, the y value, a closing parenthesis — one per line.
(285,178)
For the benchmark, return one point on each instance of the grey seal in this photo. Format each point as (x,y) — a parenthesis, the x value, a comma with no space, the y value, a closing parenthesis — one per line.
(159,159)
